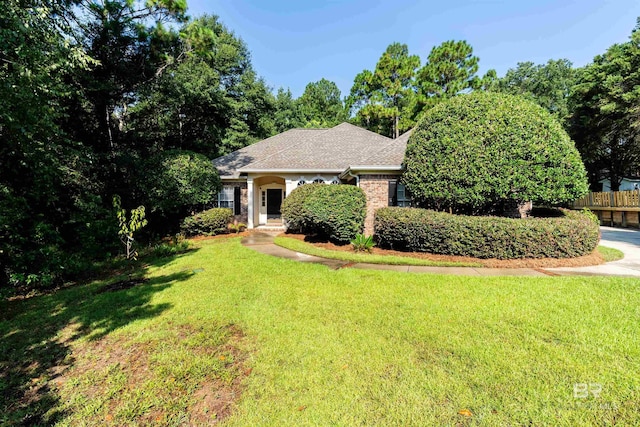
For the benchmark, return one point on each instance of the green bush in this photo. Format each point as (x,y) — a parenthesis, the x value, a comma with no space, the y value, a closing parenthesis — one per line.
(176,182)
(296,218)
(571,234)
(336,212)
(210,222)
(363,243)
(488,152)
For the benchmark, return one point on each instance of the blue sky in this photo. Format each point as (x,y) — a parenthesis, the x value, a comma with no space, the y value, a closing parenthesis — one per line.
(296,42)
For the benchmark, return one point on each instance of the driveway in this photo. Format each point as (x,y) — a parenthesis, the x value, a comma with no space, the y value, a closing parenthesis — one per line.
(623,239)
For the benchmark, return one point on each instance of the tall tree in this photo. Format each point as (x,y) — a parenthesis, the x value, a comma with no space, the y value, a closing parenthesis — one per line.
(547,84)
(209,100)
(287,112)
(321,104)
(605,108)
(450,69)
(383,100)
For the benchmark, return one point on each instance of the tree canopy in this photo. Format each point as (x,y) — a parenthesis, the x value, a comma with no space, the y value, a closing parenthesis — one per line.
(486,152)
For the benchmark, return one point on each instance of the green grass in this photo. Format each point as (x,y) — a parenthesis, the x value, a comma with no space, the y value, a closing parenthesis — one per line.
(309,249)
(610,254)
(323,347)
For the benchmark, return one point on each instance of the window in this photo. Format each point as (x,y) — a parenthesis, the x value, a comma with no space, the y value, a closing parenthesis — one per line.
(403,196)
(399,195)
(301,182)
(225,197)
(318,181)
(335,181)
(264,198)
(229,197)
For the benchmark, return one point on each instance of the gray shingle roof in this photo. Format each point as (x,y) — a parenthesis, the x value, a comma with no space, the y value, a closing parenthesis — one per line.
(306,149)
(390,154)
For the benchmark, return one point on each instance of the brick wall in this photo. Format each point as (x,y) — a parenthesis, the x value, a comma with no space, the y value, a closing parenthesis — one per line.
(376,188)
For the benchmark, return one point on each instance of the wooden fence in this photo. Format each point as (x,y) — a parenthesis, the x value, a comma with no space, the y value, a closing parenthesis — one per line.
(613,208)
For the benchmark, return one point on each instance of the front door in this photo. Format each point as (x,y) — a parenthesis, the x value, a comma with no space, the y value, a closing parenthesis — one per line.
(274,201)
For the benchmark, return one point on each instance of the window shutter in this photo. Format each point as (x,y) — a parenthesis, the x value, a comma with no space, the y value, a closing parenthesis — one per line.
(393,193)
(236,201)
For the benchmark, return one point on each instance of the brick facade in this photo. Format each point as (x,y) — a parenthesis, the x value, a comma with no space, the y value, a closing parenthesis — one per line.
(376,188)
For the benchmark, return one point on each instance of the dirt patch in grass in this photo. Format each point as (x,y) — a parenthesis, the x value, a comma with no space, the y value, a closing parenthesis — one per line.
(592,259)
(178,374)
(220,236)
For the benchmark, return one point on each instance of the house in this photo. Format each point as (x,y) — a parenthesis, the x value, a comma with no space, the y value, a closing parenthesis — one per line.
(627,183)
(258,177)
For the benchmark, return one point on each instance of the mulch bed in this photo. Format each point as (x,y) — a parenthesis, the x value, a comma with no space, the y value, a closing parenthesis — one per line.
(593,259)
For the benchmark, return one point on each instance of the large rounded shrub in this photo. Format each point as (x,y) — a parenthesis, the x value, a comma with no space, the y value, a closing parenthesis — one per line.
(570,234)
(295,216)
(210,222)
(333,211)
(487,152)
(179,181)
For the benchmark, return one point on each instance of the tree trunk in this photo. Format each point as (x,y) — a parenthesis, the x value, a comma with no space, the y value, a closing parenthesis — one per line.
(517,209)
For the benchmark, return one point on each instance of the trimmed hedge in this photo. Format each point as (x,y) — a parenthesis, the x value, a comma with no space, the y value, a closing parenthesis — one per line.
(570,235)
(210,222)
(333,211)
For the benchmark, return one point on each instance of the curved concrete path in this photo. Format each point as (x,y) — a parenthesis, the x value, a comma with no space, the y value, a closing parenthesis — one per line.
(628,241)
(623,239)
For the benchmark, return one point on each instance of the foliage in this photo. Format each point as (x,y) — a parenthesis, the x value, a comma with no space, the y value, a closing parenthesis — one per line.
(336,211)
(321,104)
(486,152)
(208,100)
(237,227)
(333,211)
(547,84)
(129,224)
(294,211)
(605,123)
(383,100)
(362,243)
(450,69)
(420,230)
(287,112)
(210,222)
(311,249)
(179,181)
(170,247)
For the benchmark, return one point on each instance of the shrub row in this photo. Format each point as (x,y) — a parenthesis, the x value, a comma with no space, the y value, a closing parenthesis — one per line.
(571,234)
(210,222)
(336,212)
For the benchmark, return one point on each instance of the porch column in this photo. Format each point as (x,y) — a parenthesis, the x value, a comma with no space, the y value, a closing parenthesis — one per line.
(249,202)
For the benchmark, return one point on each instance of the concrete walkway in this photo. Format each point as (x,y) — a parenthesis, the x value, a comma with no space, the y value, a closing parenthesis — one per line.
(625,240)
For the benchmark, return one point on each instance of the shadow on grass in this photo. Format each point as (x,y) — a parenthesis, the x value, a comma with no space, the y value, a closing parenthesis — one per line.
(36,337)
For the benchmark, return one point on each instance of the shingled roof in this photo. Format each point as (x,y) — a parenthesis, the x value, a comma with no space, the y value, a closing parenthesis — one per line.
(333,149)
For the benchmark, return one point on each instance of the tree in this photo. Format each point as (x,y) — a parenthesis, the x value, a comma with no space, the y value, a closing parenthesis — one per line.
(547,84)
(43,180)
(129,224)
(605,121)
(287,112)
(450,70)
(321,104)
(490,153)
(383,100)
(177,182)
(209,100)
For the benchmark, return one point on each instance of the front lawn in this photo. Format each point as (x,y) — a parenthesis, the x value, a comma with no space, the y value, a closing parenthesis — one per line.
(224,332)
